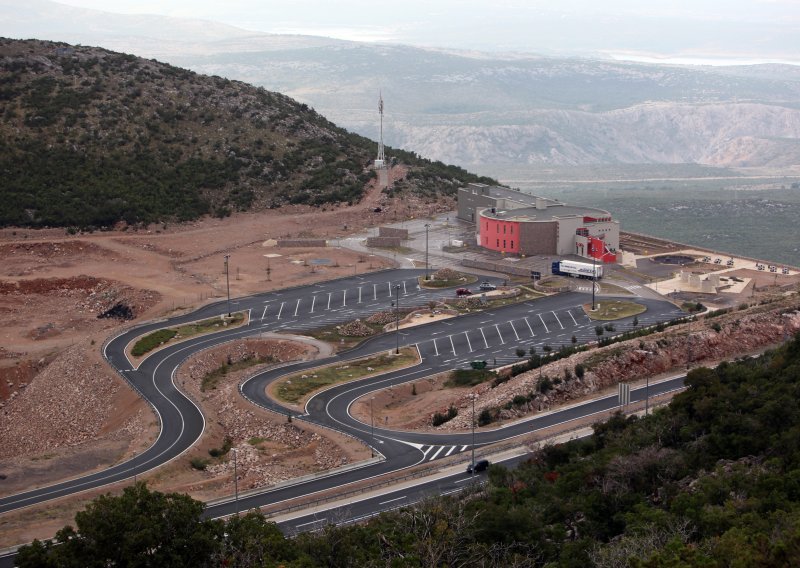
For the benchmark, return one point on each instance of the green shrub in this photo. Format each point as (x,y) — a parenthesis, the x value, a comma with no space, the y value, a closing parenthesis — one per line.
(199,464)
(439,418)
(151,341)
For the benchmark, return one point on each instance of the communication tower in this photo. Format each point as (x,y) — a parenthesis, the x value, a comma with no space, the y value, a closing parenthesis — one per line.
(380,162)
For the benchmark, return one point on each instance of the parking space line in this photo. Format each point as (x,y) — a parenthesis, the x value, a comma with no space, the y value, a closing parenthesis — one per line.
(453,345)
(497,327)
(529,326)
(297,307)
(436,347)
(573,317)
(375,291)
(390,289)
(515,329)
(264,314)
(484,338)
(404,288)
(544,324)
(558,320)
(329,301)
(313,301)
(466,334)
(344,298)
(280,310)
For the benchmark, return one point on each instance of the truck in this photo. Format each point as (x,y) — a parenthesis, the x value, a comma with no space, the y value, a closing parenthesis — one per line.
(577,269)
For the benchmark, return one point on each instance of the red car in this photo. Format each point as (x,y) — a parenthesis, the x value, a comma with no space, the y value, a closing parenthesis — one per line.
(463,292)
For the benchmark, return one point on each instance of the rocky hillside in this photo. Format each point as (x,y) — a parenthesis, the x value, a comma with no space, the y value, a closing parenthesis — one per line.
(91,138)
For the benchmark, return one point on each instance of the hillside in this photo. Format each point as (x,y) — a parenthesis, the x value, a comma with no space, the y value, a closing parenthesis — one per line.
(90,138)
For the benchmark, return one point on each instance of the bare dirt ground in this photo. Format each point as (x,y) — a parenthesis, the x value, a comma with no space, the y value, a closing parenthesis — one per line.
(63,411)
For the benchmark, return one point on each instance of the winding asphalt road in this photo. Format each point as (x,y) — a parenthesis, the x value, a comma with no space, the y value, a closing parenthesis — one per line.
(493,335)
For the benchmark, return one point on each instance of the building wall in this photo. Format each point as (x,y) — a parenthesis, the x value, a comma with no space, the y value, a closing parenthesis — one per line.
(471,199)
(499,235)
(538,237)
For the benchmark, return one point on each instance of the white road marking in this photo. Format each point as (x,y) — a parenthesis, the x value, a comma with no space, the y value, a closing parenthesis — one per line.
(573,317)
(297,307)
(484,338)
(558,320)
(436,347)
(313,301)
(433,457)
(264,314)
(329,301)
(497,327)
(450,451)
(453,345)
(529,327)
(544,324)
(404,288)
(344,298)
(515,329)
(375,291)
(464,447)
(359,294)
(392,500)
(311,522)
(280,310)
(468,342)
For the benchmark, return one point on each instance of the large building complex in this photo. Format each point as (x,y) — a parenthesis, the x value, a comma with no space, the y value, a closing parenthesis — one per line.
(513,222)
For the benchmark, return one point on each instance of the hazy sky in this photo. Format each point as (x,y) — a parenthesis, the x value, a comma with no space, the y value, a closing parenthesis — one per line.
(733,29)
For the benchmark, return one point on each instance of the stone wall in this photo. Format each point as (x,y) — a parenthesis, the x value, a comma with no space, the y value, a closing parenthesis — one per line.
(392,232)
(301,243)
(384,242)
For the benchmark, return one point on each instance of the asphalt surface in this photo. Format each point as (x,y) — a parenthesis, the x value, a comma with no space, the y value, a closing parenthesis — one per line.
(493,335)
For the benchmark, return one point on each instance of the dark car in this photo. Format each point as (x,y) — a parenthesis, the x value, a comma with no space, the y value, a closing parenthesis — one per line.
(463,292)
(480,465)
(487,286)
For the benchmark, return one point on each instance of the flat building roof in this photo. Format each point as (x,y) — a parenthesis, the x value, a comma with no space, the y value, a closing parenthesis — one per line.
(550,213)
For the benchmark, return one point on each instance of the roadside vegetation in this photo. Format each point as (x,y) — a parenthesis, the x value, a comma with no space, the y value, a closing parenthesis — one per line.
(163,336)
(608,310)
(447,278)
(710,480)
(212,378)
(294,388)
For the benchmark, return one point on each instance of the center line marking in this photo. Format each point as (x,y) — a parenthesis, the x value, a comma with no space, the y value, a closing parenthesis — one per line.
(544,324)
(392,500)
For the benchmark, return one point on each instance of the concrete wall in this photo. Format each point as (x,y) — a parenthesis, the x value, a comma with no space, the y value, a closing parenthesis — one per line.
(299,243)
(502,268)
(392,232)
(469,199)
(384,242)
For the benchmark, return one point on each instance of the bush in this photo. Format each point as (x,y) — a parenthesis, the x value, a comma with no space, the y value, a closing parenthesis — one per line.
(199,464)
(439,418)
(544,384)
(150,342)
(219,452)
(579,371)
(487,416)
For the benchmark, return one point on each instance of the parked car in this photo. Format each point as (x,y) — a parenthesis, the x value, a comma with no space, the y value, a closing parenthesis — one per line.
(463,292)
(480,465)
(487,287)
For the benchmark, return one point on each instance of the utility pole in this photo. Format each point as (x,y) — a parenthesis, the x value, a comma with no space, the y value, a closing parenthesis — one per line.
(473,433)
(228,283)
(594,272)
(427,275)
(236,478)
(397,319)
(269,271)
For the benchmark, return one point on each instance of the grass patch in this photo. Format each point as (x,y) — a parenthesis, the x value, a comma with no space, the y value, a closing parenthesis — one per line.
(162,336)
(468,377)
(613,310)
(331,334)
(294,387)
(606,288)
(211,379)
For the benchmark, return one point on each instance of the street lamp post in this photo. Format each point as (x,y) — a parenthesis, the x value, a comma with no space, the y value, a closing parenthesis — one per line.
(236,477)
(427,275)
(473,433)
(228,284)
(397,319)
(594,273)
(372,424)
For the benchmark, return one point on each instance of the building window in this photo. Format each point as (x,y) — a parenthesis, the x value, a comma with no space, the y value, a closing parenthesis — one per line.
(512,245)
(498,243)
(512,230)
(504,243)
(504,229)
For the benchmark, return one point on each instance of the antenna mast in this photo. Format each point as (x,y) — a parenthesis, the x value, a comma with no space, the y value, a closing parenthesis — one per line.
(381,159)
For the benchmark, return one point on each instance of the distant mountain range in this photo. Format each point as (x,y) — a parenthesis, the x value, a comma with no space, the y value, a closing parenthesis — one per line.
(476,109)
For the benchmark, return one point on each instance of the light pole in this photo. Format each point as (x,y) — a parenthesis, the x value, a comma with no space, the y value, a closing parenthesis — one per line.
(372,424)
(397,319)
(427,275)
(473,433)
(269,271)
(236,478)
(228,284)
(594,272)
